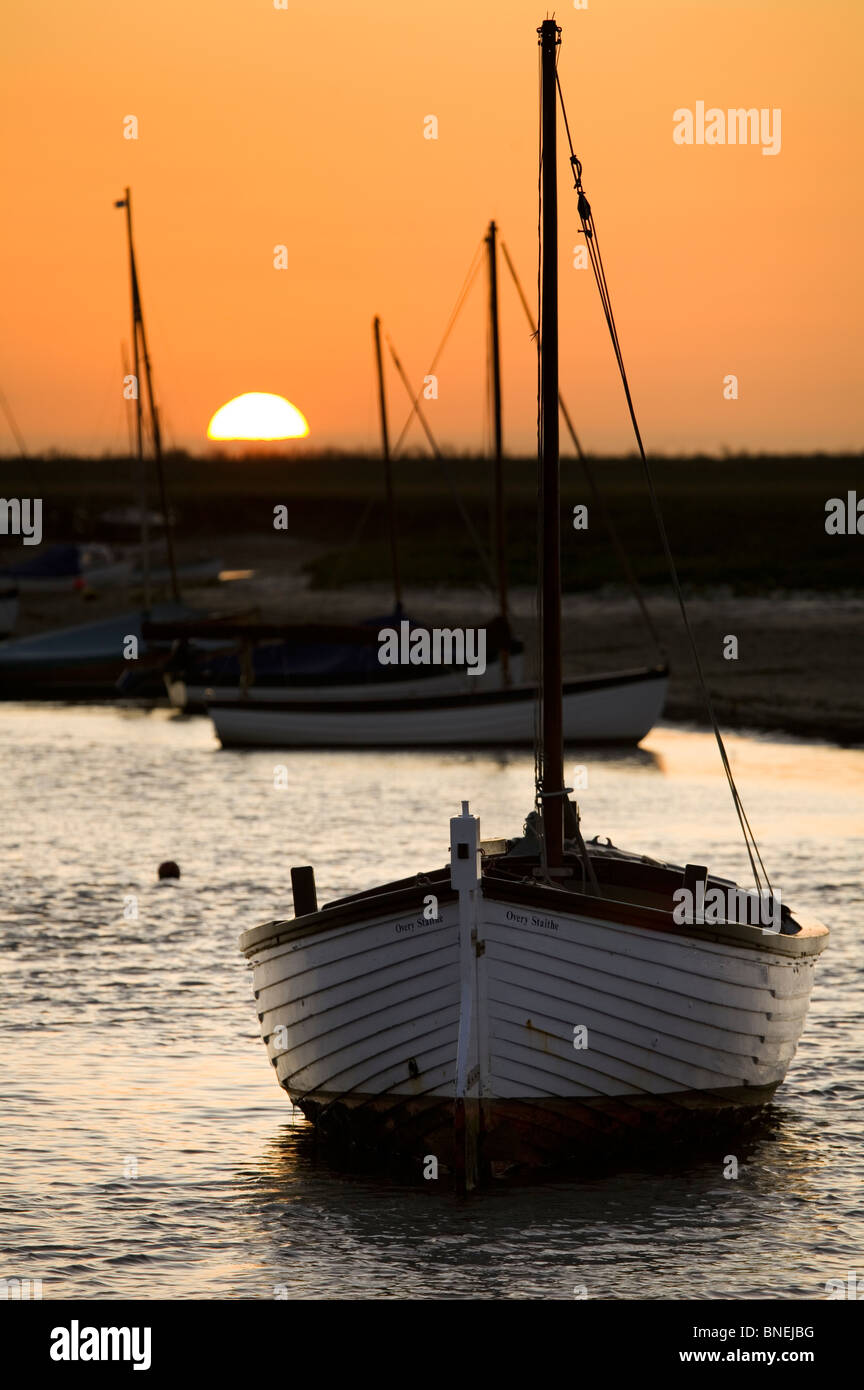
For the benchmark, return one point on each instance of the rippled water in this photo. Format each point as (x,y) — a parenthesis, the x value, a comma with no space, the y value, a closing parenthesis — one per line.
(146,1150)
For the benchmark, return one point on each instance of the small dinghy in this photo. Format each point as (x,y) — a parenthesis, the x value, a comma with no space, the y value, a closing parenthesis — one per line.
(537,999)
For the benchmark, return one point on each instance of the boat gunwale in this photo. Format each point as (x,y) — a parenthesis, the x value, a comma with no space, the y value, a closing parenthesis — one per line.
(358,910)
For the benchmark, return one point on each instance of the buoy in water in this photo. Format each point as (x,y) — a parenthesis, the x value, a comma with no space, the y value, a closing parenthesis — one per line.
(169,869)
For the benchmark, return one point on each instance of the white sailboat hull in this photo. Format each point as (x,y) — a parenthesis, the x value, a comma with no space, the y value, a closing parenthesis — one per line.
(362,1018)
(619,708)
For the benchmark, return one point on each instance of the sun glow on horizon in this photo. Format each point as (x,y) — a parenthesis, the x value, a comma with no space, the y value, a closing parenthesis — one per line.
(258,415)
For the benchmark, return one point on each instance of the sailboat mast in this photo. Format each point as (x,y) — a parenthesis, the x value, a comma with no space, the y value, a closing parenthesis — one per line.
(160,467)
(388,471)
(500,539)
(139,428)
(552,746)
(155,427)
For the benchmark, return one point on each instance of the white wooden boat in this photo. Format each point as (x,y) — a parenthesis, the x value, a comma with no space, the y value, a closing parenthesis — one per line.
(449,707)
(620,707)
(379,1018)
(537,999)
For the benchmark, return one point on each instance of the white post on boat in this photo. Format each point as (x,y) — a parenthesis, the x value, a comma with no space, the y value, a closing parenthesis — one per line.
(465,878)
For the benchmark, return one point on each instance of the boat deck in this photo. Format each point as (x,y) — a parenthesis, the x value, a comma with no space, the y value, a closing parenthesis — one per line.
(633,891)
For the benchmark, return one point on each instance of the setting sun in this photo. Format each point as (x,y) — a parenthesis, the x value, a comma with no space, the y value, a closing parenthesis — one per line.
(258,415)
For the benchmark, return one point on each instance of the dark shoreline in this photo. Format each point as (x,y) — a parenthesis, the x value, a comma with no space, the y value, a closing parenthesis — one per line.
(748,535)
(752,522)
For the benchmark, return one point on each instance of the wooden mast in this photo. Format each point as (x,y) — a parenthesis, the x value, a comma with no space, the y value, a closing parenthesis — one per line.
(126,202)
(388,471)
(552,739)
(139,350)
(500,537)
(156,430)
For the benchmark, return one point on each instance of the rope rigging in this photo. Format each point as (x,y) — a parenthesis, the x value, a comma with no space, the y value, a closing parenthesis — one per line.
(365,515)
(442,462)
(596,495)
(467,284)
(592,242)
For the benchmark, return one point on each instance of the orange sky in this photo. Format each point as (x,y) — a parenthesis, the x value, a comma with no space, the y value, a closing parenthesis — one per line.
(304,126)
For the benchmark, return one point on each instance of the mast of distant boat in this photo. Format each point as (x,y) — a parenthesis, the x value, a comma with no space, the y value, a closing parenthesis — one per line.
(500,536)
(388,470)
(126,202)
(552,739)
(139,351)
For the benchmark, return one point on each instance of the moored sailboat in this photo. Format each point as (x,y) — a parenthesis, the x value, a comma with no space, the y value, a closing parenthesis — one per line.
(113,657)
(556,1018)
(297,666)
(86,662)
(444,710)
(539,996)
(438,706)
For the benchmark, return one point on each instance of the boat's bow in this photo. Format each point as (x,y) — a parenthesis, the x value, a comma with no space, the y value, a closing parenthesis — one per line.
(486,1012)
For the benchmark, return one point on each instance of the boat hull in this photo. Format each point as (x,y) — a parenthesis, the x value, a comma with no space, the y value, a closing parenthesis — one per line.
(617,708)
(525,1133)
(587,1032)
(84,662)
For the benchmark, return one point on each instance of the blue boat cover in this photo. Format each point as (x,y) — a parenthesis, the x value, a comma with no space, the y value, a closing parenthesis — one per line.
(55,562)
